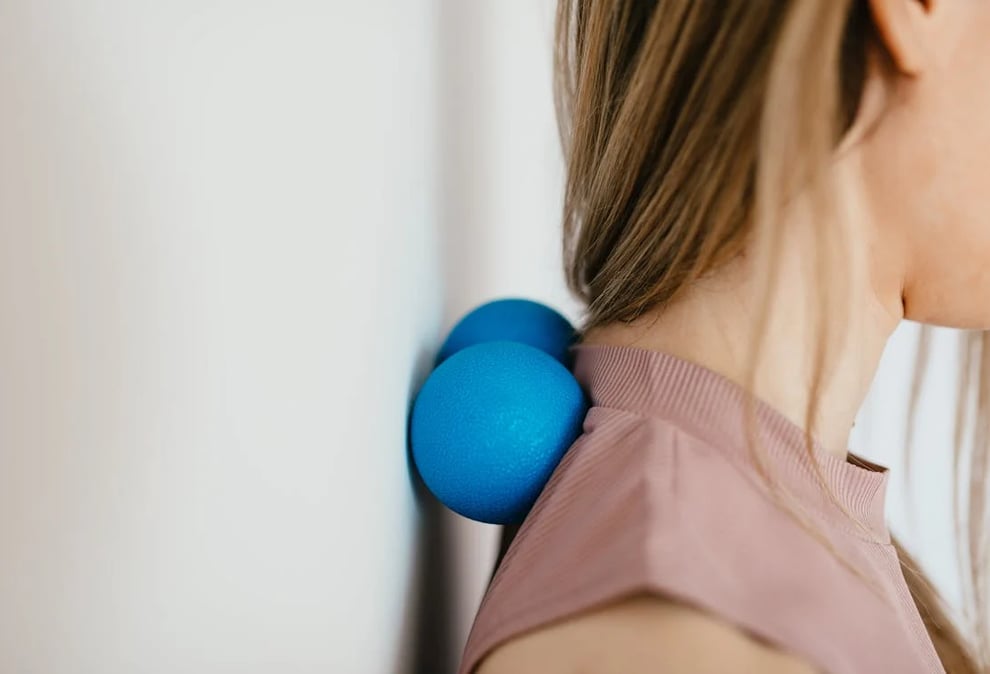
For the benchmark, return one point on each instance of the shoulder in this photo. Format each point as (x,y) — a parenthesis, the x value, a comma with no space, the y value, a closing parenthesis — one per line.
(639,635)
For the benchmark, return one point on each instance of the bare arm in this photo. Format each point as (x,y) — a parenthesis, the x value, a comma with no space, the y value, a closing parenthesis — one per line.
(640,635)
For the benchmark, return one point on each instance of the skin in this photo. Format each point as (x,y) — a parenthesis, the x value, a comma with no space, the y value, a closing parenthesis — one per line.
(640,635)
(916,208)
(916,176)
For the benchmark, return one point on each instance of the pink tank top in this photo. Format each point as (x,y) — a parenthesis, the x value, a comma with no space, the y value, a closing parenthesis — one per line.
(659,495)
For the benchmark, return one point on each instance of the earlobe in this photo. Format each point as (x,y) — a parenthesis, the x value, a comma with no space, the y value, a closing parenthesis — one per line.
(901,25)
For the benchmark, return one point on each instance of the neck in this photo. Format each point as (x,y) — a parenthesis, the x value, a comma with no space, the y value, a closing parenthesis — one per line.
(716,323)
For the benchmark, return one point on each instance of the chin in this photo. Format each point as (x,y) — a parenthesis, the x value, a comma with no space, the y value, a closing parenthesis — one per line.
(947,316)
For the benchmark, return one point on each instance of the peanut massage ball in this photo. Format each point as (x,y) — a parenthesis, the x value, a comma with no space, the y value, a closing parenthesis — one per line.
(493,420)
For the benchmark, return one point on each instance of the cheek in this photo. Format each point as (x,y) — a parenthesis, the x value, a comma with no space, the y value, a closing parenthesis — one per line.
(948,280)
(964,133)
(950,270)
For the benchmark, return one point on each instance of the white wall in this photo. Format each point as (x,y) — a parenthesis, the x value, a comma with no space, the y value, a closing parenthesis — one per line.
(919,512)
(218,284)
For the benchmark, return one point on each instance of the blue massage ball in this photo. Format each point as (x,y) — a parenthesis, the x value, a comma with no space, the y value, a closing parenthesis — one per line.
(490,425)
(513,320)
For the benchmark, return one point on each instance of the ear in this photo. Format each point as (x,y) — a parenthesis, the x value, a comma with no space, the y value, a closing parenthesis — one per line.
(903,27)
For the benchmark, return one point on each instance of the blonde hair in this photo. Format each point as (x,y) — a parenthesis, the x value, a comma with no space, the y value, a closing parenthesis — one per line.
(664,109)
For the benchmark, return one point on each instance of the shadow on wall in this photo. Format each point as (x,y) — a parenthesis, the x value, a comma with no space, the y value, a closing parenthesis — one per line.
(427,631)
(453,565)
(433,649)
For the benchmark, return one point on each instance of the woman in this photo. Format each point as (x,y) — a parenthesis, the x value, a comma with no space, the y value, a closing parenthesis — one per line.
(758,192)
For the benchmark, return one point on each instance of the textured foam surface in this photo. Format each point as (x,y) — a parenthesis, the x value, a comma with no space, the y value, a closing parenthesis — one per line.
(513,320)
(490,425)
